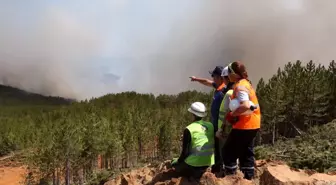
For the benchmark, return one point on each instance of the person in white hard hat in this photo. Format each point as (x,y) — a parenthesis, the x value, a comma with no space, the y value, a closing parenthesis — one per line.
(198,145)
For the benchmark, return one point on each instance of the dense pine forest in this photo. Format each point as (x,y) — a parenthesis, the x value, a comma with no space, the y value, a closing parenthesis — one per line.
(61,137)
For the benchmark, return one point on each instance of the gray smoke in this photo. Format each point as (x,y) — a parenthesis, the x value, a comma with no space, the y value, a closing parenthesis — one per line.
(263,34)
(46,57)
(54,55)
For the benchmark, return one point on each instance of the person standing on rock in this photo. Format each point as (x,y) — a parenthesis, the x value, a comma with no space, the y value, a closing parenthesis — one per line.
(224,128)
(198,145)
(240,142)
(218,83)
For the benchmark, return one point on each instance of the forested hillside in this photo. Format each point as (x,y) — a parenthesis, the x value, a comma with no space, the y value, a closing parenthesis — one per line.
(10,96)
(129,128)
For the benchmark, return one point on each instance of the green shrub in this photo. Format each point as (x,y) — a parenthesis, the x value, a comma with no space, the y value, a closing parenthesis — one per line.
(315,149)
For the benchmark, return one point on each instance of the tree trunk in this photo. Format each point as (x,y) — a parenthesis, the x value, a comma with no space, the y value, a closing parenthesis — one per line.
(81,176)
(140,147)
(112,162)
(57,177)
(273,134)
(67,172)
(54,177)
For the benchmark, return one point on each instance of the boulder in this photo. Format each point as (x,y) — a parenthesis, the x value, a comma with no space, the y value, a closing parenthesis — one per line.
(284,175)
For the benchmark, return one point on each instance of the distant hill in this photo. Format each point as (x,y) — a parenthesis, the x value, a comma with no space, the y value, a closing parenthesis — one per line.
(10,96)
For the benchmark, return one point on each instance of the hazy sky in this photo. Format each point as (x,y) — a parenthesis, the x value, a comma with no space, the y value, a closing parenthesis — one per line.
(85,48)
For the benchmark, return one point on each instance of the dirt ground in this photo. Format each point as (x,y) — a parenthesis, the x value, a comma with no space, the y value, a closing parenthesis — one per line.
(11,173)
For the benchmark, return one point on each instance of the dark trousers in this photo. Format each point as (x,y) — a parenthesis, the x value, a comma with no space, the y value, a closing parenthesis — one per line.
(239,145)
(185,170)
(218,159)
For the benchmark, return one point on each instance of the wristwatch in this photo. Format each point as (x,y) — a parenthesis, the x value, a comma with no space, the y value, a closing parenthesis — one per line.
(253,107)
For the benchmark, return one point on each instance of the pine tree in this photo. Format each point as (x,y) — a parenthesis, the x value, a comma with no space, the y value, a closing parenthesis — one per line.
(331,78)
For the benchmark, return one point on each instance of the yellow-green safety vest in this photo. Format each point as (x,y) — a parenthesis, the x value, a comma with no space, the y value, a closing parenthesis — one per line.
(202,144)
(223,109)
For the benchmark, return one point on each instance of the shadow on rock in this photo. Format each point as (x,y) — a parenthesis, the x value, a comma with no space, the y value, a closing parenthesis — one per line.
(170,177)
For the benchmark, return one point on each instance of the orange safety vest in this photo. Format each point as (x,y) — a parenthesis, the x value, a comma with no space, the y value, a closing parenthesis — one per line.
(252,121)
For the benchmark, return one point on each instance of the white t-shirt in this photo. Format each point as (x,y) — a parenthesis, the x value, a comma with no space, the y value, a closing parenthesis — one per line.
(243,96)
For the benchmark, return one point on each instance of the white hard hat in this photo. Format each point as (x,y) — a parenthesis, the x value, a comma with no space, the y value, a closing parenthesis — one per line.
(198,109)
(234,104)
(225,71)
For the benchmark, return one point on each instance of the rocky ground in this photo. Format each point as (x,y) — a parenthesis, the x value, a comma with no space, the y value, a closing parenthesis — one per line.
(267,173)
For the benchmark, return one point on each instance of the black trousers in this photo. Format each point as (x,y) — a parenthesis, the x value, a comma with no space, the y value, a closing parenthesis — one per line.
(240,145)
(185,170)
(218,159)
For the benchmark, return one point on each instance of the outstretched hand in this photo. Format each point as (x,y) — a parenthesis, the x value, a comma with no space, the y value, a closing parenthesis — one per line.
(193,78)
(203,81)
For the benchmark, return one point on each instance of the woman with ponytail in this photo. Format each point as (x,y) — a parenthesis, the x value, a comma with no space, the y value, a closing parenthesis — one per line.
(240,142)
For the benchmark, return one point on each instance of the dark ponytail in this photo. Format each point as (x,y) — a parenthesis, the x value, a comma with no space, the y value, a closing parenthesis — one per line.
(240,69)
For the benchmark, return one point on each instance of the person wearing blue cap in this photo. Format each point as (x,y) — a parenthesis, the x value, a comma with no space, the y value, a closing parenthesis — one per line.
(217,82)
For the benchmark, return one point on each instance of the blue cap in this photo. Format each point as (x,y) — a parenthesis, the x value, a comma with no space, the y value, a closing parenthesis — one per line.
(217,71)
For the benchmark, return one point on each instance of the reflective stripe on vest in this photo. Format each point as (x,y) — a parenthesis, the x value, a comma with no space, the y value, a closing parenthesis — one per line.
(252,121)
(202,144)
(200,150)
(247,168)
(231,167)
(223,109)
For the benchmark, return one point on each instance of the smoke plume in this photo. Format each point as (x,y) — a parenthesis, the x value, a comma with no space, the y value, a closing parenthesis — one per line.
(158,45)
